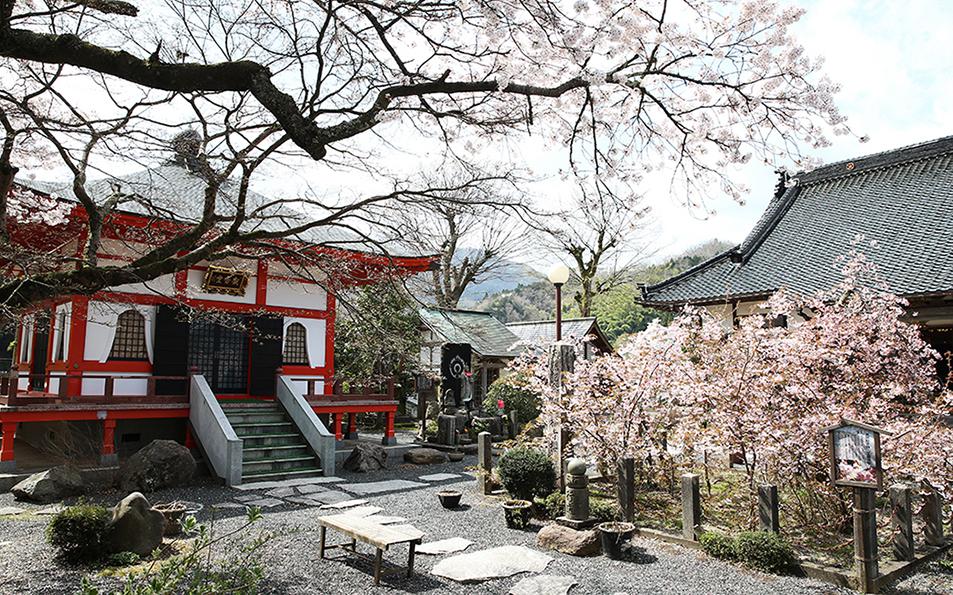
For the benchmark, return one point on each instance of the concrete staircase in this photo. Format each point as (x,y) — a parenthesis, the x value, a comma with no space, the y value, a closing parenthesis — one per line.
(272,446)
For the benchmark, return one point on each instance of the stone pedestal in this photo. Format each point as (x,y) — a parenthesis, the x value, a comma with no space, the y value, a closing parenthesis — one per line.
(447,429)
(577,497)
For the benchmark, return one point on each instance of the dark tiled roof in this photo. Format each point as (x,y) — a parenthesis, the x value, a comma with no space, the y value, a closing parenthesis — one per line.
(486,335)
(544,331)
(173,192)
(902,200)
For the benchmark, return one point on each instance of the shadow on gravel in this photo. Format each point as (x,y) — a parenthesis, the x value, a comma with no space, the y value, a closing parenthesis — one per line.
(637,555)
(415,584)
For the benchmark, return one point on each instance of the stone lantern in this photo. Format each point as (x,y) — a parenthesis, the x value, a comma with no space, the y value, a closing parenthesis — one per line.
(577,497)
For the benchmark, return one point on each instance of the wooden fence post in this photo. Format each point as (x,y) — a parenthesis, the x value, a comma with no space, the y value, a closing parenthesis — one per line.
(933,518)
(485,461)
(901,519)
(865,539)
(691,507)
(562,359)
(768,509)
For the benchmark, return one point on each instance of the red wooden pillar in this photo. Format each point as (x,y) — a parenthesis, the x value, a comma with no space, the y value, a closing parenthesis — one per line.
(390,436)
(77,346)
(189,439)
(351,426)
(108,452)
(338,435)
(7,430)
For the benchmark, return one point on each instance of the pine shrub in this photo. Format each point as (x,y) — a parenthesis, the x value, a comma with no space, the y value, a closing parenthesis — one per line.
(765,551)
(79,532)
(718,545)
(527,473)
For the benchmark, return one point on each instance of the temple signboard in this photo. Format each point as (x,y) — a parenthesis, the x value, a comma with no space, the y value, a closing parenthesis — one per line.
(855,455)
(225,281)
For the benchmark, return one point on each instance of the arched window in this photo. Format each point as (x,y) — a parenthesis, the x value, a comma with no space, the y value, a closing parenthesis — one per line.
(296,350)
(130,340)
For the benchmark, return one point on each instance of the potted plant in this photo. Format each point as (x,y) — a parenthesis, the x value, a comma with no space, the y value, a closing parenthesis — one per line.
(173,512)
(517,513)
(614,536)
(449,498)
(455,456)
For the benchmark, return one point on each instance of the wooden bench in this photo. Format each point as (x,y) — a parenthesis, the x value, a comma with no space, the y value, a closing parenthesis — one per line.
(374,534)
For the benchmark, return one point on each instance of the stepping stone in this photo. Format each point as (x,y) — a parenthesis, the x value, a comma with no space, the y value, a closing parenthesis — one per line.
(281,492)
(6,510)
(51,510)
(484,565)
(332,497)
(228,505)
(444,546)
(377,487)
(300,481)
(305,500)
(439,477)
(311,488)
(343,503)
(363,511)
(248,497)
(386,520)
(543,585)
(266,502)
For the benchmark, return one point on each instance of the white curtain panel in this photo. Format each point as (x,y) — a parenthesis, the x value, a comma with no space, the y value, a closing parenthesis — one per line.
(101,322)
(314,330)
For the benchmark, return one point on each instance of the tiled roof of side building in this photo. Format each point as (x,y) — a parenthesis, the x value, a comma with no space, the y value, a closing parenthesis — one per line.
(486,335)
(900,201)
(544,331)
(172,191)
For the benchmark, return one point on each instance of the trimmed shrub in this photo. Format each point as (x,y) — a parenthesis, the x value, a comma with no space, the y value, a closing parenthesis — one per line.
(527,473)
(604,510)
(516,395)
(79,532)
(123,559)
(552,506)
(765,551)
(718,545)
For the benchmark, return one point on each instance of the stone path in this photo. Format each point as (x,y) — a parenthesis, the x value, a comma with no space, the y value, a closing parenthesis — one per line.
(379,487)
(444,546)
(497,562)
(543,585)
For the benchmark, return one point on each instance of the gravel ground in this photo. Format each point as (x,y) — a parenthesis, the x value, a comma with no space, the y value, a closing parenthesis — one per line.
(27,565)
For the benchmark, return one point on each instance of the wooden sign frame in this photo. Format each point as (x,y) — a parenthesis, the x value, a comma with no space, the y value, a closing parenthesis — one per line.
(877,455)
(225,281)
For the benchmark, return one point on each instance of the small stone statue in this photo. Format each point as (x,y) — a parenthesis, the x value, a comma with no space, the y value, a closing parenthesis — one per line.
(577,497)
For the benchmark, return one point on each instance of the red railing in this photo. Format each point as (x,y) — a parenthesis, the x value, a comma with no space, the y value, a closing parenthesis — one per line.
(13,395)
(348,390)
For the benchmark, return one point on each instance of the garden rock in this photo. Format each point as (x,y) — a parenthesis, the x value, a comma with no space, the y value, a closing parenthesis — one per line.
(366,457)
(425,456)
(51,485)
(135,527)
(569,541)
(161,464)
(498,562)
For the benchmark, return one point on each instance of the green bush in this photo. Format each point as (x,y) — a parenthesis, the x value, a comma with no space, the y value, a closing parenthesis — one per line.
(516,395)
(123,559)
(527,473)
(552,506)
(765,551)
(718,545)
(604,510)
(79,532)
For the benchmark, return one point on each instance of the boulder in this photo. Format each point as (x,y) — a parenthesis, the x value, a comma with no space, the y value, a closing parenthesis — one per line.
(135,527)
(424,456)
(569,541)
(161,464)
(51,485)
(366,457)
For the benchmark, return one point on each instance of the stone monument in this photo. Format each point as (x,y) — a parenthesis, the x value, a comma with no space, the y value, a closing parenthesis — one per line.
(577,497)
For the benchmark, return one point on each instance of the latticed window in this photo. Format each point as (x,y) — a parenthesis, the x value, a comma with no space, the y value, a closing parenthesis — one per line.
(130,340)
(296,349)
(59,353)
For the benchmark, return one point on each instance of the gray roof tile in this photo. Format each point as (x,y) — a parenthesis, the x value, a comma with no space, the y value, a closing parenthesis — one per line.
(902,199)
(486,335)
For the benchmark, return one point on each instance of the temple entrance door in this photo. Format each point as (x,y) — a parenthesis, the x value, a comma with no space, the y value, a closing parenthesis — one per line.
(221,354)
(41,345)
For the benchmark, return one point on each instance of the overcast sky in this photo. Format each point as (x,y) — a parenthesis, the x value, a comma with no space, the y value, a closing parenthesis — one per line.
(893,61)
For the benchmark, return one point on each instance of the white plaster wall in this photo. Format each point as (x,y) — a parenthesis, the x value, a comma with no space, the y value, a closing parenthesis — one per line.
(316,336)
(291,294)
(163,286)
(194,290)
(300,383)
(121,388)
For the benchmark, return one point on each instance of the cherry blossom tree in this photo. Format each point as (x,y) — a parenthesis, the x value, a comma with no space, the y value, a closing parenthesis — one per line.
(624,88)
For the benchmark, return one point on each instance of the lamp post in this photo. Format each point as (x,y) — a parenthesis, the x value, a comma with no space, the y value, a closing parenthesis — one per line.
(558,275)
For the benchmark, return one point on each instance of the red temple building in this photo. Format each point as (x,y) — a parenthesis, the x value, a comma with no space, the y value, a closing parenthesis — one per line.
(233,357)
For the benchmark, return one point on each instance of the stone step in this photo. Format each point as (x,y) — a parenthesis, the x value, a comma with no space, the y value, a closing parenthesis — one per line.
(248,404)
(245,416)
(284,464)
(277,439)
(255,428)
(282,475)
(276,452)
